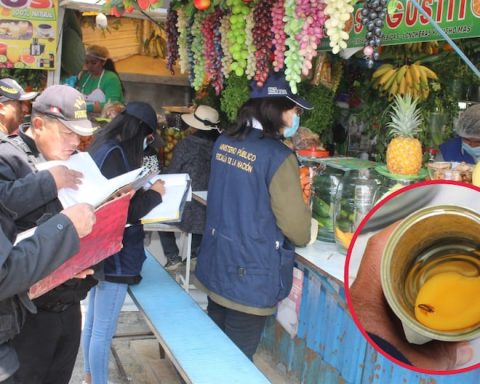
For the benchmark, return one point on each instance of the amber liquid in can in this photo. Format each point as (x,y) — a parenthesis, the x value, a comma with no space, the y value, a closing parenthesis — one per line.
(448,255)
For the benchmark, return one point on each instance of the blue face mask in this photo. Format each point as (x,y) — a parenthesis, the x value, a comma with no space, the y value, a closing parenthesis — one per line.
(472,151)
(290,131)
(145,143)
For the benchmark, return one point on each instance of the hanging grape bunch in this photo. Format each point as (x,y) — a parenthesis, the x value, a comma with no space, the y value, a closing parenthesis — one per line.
(262,38)
(213,50)
(225,44)
(236,36)
(293,59)
(172,37)
(373,16)
(279,36)
(251,61)
(312,31)
(197,50)
(182,40)
(191,59)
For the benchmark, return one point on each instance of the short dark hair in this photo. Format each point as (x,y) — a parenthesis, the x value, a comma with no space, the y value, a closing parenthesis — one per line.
(268,111)
(128,132)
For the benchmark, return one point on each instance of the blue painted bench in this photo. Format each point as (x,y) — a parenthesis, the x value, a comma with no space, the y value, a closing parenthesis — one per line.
(200,351)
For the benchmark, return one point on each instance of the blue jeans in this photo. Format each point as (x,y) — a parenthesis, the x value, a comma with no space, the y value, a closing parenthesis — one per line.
(104,304)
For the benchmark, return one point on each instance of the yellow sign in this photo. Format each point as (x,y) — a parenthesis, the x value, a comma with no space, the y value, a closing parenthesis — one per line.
(28,33)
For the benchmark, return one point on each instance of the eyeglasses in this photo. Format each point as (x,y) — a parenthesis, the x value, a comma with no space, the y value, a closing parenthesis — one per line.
(298,111)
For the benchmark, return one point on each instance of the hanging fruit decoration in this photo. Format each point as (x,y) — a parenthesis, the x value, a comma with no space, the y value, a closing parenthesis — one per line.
(373,18)
(201,5)
(247,38)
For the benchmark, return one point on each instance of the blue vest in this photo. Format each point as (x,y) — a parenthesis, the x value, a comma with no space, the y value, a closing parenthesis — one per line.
(244,257)
(452,151)
(129,261)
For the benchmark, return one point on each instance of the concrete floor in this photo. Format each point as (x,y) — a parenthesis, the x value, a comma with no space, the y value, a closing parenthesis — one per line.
(135,354)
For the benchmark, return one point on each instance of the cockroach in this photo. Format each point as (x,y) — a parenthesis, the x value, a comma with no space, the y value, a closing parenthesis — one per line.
(426,308)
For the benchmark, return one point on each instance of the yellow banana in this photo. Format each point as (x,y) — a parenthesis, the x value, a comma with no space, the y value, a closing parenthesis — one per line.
(402,87)
(401,73)
(415,75)
(390,82)
(430,74)
(387,76)
(381,70)
(408,80)
(423,77)
(393,89)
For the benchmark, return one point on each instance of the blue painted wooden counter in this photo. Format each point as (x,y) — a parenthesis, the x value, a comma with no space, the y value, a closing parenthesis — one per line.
(328,347)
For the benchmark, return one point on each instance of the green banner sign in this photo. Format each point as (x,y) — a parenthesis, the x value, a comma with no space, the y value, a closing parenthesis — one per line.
(460,19)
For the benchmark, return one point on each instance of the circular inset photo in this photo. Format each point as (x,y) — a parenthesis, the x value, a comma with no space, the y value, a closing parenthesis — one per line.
(412,277)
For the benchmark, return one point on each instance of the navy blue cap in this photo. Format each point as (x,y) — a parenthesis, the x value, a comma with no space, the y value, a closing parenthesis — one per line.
(277,86)
(143,112)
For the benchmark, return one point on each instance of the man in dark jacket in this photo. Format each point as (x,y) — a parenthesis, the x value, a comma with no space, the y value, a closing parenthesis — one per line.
(49,341)
(11,108)
(27,262)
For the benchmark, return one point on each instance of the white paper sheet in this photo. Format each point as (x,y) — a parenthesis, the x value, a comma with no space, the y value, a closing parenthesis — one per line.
(95,187)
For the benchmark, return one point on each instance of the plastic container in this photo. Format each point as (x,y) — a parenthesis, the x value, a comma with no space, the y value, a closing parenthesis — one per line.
(356,194)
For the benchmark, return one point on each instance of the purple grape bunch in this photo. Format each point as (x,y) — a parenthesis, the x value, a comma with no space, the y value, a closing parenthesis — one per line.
(373,18)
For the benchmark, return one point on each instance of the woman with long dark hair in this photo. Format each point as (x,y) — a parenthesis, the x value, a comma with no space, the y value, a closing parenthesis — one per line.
(117,149)
(255,214)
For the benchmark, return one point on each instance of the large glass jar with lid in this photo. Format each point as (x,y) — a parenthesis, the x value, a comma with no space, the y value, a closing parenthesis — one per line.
(325,186)
(356,194)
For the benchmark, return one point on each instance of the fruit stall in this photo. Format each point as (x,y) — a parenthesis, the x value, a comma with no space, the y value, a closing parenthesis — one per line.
(386,89)
(378,73)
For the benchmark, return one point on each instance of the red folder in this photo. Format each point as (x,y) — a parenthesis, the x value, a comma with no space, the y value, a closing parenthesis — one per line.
(104,240)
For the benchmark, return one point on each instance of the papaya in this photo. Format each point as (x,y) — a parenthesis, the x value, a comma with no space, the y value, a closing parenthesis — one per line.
(448,301)
(345,238)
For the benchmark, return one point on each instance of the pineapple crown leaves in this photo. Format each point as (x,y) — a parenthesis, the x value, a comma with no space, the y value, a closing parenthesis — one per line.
(405,117)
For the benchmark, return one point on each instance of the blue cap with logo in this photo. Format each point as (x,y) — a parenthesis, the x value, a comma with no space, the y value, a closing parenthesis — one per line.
(277,86)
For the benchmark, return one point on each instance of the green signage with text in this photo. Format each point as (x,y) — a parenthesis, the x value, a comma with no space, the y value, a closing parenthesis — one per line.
(458,18)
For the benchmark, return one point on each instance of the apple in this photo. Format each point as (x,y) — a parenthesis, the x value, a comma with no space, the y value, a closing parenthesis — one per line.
(201,5)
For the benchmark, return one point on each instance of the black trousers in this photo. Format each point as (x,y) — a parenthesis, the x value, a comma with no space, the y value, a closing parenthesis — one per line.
(244,329)
(47,346)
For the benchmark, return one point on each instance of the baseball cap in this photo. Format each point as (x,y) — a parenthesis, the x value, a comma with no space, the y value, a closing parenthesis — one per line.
(66,104)
(11,90)
(144,112)
(277,86)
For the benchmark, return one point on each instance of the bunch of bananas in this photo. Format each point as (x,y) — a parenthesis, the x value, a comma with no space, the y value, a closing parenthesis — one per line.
(428,47)
(405,80)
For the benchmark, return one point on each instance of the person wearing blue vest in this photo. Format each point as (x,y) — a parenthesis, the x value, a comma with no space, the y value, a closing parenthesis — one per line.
(255,214)
(466,145)
(118,148)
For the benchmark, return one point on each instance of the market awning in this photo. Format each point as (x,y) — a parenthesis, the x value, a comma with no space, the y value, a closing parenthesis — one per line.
(159,13)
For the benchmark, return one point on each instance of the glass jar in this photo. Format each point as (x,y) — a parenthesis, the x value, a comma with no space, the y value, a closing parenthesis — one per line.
(356,194)
(325,186)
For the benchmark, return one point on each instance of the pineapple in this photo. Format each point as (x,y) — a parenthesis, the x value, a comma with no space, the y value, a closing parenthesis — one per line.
(404,152)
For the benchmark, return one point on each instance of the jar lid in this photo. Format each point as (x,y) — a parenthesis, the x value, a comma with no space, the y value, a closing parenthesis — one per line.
(313,152)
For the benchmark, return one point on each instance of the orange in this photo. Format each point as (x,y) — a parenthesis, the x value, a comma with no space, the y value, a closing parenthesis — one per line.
(476,7)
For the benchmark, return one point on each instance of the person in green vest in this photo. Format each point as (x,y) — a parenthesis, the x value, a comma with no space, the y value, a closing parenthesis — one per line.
(100,82)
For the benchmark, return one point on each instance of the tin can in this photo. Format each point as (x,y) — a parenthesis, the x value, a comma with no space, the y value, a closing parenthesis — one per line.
(430,235)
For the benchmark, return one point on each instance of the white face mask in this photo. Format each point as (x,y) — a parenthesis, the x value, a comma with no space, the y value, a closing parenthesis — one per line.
(145,143)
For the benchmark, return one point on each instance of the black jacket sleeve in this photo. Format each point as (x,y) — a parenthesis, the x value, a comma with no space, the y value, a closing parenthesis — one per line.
(35,257)
(21,190)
